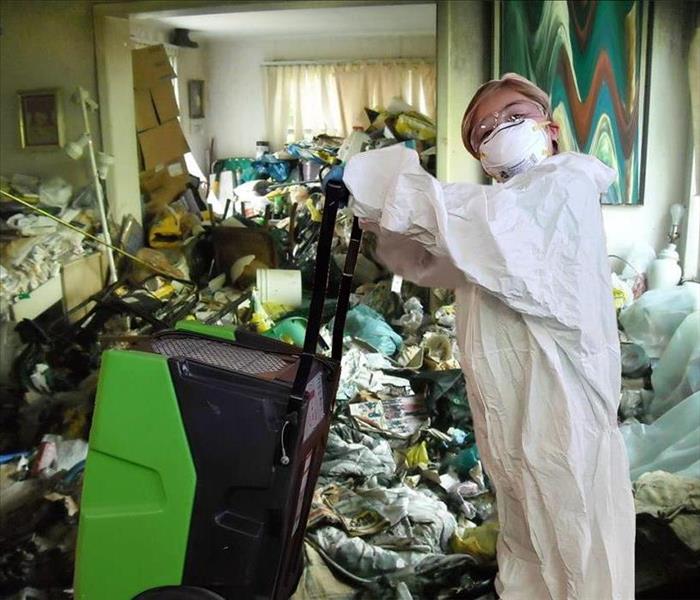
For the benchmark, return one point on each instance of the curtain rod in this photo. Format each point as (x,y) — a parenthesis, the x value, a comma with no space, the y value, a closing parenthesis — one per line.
(340,61)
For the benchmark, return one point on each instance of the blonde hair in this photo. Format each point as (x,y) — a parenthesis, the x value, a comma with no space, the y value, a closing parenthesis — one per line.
(512,81)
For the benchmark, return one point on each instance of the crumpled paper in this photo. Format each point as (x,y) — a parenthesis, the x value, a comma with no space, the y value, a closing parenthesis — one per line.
(361,370)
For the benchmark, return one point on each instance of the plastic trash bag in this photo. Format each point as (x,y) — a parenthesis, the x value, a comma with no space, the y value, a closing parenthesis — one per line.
(55,192)
(356,555)
(412,319)
(417,456)
(677,374)
(671,443)
(480,541)
(369,326)
(350,453)
(652,320)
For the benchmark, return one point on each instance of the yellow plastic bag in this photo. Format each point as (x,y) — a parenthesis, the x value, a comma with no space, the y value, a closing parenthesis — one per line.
(480,541)
(415,126)
(417,456)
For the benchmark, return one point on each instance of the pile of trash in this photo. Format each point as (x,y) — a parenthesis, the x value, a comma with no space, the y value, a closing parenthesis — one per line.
(242,177)
(660,405)
(402,505)
(35,246)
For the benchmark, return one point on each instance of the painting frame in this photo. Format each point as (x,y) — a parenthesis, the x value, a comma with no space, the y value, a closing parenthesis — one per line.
(45,105)
(195,98)
(631,168)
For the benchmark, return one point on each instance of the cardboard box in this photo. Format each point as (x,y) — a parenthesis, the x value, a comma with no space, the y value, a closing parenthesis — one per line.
(163,97)
(162,145)
(165,184)
(150,65)
(38,300)
(82,278)
(145,111)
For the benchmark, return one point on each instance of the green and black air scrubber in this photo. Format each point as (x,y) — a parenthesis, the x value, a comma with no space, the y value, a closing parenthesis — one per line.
(204,452)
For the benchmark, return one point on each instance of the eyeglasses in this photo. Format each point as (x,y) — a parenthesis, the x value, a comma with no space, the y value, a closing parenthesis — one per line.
(516,111)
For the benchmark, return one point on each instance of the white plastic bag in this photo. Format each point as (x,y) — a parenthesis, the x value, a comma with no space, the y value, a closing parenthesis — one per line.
(55,192)
(652,320)
(677,374)
(671,443)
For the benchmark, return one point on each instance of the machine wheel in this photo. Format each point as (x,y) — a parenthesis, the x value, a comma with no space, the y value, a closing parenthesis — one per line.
(178,592)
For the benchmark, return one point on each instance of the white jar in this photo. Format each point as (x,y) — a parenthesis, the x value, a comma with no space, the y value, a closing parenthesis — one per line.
(664,272)
(261,149)
(281,286)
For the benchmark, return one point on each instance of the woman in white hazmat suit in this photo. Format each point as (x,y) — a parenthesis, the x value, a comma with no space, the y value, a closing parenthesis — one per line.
(536,329)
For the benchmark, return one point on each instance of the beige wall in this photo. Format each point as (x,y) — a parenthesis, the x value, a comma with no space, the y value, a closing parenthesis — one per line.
(43,45)
(192,64)
(464,62)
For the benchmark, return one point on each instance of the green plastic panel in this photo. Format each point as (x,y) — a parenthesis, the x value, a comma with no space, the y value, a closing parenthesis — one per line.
(214,331)
(139,483)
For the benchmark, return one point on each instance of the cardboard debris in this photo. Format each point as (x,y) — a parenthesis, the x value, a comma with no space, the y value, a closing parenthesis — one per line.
(163,144)
(144,110)
(150,66)
(165,184)
(163,98)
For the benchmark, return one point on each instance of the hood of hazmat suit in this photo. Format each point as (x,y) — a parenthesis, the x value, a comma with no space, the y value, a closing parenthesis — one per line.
(537,332)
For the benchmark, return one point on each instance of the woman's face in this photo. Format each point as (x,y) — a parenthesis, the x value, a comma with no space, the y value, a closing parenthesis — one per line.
(505,105)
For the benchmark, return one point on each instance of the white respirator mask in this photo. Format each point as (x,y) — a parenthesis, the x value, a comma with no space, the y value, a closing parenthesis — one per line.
(512,148)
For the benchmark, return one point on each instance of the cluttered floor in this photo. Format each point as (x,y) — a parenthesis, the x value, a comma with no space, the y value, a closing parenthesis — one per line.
(403,508)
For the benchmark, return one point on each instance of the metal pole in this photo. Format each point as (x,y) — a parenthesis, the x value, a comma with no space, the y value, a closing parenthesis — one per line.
(82,94)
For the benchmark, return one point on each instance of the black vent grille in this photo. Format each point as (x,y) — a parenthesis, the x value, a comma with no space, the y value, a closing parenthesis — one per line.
(219,354)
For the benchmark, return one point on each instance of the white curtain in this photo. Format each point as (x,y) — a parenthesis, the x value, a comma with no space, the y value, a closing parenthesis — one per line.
(307,99)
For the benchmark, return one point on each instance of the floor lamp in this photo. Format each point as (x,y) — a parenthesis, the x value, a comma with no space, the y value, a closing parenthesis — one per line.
(76,149)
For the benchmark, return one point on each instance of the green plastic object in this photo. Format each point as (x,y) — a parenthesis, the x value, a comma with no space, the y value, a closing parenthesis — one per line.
(139,483)
(466,460)
(291,331)
(369,326)
(214,331)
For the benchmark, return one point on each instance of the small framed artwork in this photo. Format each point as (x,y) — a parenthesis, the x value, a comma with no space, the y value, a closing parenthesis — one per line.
(195,97)
(41,119)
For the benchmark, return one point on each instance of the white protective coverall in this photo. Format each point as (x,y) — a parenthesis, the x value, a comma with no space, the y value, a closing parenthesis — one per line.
(539,349)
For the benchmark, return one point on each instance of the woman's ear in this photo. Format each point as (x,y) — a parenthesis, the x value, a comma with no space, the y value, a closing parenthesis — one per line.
(553,131)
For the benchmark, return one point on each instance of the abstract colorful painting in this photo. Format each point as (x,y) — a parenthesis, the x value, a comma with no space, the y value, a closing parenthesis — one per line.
(591,57)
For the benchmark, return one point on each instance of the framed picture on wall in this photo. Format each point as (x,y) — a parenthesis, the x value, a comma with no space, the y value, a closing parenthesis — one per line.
(592,59)
(195,97)
(41,119)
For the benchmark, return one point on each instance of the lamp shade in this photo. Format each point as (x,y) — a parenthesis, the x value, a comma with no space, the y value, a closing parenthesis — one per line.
(76,148)
(104,162)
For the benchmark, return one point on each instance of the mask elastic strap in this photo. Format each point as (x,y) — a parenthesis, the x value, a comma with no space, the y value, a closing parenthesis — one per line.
(542,126)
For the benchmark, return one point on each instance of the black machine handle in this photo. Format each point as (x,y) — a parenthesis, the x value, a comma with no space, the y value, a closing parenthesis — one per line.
(341,310)
(336,195)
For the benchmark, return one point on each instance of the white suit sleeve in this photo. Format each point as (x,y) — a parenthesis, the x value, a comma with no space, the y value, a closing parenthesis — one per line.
(533,242)
(407,258)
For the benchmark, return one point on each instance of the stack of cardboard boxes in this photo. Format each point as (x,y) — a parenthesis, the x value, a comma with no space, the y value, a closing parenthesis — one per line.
(161,144)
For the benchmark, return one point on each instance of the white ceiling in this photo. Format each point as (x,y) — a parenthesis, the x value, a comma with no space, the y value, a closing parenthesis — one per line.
(346,20)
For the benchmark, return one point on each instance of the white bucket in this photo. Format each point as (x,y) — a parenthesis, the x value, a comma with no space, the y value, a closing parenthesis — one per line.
(280,286)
